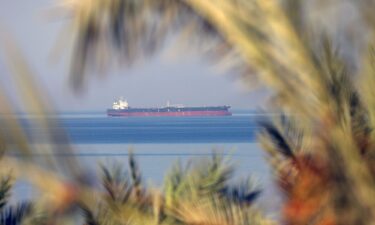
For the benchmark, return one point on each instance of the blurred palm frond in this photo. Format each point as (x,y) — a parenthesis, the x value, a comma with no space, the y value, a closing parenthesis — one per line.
(5,187)
(116,183)
(322,150)
(16,215)
(201,193)
(35,103)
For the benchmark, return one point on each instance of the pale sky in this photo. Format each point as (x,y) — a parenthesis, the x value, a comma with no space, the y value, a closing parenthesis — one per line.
(187,80)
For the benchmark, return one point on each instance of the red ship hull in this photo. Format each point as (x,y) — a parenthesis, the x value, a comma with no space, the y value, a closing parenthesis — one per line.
(183,113)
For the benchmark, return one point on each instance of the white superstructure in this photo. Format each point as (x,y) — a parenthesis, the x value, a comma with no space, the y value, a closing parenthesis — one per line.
(120,104)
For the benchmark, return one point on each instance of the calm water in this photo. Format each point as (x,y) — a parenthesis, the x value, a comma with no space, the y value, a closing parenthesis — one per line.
(99,129)
(158,142)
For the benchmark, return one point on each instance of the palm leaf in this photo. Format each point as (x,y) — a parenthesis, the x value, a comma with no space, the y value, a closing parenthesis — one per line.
(89,216)
(130,32)
(276,137)
(201,193)
(243,194)
(116,183)
(15,215)
(5,188)
(136,177)
(29,91)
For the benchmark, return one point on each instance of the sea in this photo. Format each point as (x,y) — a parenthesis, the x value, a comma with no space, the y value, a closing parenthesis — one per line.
(160,142)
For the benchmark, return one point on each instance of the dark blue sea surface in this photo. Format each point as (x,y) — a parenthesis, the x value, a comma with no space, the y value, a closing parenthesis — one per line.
(82,129)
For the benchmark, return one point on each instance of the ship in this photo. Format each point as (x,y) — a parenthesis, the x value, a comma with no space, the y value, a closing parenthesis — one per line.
(121,108)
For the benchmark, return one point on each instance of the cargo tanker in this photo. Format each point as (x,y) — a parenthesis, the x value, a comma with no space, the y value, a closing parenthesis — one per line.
(122,108)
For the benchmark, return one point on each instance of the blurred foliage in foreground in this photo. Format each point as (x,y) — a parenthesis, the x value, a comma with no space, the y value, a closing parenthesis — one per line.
(322,151)
(198,193)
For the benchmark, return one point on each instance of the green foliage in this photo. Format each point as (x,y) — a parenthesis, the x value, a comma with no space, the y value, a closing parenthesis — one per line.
(198,180)
(322,151)
(203,192)
(116,183)
(199,193)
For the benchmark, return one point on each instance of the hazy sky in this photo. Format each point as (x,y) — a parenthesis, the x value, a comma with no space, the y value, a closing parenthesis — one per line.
(187,79)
